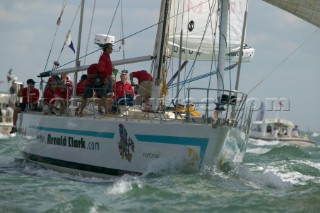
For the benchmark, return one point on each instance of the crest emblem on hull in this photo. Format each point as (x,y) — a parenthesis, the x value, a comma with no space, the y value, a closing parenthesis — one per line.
(126,144)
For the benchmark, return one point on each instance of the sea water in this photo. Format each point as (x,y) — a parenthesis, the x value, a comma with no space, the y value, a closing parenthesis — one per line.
(271,178)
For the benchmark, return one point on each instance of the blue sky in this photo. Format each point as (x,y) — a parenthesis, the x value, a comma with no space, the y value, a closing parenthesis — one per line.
(27,29)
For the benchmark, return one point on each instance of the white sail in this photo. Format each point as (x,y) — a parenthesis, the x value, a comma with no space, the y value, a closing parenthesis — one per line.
(308,10)
(199,22)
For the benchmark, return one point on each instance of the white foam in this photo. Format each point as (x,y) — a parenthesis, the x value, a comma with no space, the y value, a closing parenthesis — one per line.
(6,136)
(258,150)
(124,185)
(259,142)
(309,163)
(293,177)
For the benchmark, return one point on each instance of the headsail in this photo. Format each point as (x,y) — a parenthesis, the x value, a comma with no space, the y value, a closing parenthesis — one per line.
(199,22)
(308,10)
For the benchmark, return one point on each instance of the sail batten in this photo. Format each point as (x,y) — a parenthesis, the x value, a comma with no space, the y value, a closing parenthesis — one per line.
(308,10)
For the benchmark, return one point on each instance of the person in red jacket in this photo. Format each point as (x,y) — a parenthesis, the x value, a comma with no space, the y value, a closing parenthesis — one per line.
(48,96)
(64,78)
(81,85)
(143,88)
(30,97)
(123,90)
(100,81)
(105,70)
(62,94)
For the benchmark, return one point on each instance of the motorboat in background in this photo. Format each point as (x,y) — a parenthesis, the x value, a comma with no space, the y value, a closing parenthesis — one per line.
(282,130)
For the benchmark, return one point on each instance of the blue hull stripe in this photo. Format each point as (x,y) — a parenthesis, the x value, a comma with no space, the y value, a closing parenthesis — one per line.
(77,132)
(187,141)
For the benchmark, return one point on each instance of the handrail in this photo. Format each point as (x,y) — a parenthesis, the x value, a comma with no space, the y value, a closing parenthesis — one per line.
(229,100)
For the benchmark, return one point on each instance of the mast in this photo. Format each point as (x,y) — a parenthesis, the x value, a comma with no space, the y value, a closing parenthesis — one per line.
(159,53)
(224,8)
(75,78)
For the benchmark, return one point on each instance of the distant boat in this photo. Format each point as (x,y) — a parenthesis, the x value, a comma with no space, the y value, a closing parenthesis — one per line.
(5,127)
(315,134)
(5,123)
(279,130)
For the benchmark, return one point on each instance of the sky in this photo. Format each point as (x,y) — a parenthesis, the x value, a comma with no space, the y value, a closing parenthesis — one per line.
(286,60)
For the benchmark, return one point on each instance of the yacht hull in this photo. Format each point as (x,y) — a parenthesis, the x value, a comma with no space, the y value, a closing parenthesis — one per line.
(116,146)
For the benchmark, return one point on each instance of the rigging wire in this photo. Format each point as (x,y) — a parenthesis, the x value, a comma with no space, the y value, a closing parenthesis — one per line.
(185,76)
(174,30)
(284,60)
(205,30)
(131,35)
(122,35)
(203,76)
(55,34)
(214,31)
(219,71)
(89,35)
(229,50)
(126,37)
(56,63)
(114,15)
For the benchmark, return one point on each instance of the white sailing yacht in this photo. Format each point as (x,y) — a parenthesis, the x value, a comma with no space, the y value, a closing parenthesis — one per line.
(138,141)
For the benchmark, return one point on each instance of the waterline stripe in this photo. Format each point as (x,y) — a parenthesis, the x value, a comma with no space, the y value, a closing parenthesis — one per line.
(76,132)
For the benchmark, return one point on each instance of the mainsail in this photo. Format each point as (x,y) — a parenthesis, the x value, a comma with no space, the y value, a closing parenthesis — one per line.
(198,21)
(308,10)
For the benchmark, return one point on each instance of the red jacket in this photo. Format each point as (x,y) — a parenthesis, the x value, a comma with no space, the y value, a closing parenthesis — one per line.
(48,95)
(63,91)
(80,88)
(142,75)
(33,97)
(104,66)
(120,89)
(92,71)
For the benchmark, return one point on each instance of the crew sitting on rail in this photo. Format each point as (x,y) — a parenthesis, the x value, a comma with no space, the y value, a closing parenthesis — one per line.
(48,99)
(30,97)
